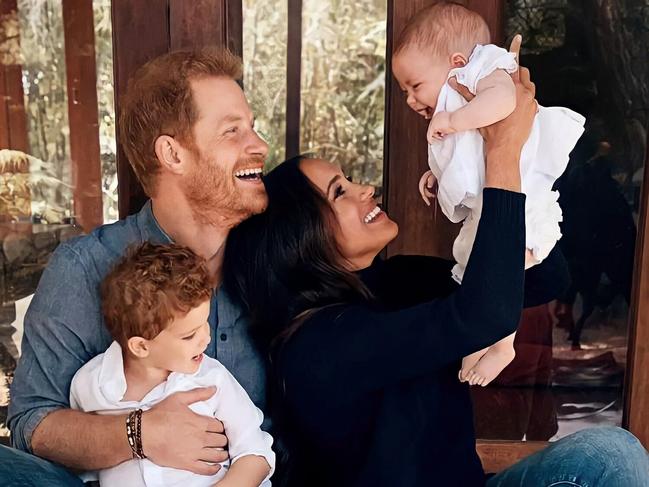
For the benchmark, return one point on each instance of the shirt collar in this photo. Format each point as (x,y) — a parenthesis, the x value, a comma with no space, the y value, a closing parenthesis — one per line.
(149,227)
(112,380)
(228,310)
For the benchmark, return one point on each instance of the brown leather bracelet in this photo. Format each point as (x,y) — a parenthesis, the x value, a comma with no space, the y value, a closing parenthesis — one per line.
(134,433)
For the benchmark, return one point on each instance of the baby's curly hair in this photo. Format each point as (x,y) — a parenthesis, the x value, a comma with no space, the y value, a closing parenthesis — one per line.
(149,287)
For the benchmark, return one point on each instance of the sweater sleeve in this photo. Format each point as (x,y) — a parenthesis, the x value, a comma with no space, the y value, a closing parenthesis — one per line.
(412,279)
(548,280)
(358,349)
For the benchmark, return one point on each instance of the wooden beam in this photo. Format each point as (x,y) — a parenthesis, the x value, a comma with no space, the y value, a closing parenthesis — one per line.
(18,139)
(422,230)
(196,24)
(140,33)
(499,455)
(13,118)
(206,23)
(293,77)
(5,134)
(636,401)
(81,70)
(234,26)
(493,11)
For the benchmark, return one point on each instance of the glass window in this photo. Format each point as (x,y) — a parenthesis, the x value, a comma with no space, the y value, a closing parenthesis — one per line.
(343,84)
(37,169)
(342,96)
(46,104)
(106,107)
(569,370)
(264,52)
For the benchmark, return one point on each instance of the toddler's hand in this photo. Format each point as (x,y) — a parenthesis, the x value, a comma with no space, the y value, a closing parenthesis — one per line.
(439,126)
(426,184)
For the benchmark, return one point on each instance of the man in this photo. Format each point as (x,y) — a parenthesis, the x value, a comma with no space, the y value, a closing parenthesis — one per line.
(189,135)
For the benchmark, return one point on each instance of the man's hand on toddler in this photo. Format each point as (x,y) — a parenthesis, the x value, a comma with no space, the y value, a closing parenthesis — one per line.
(175,436)
(439,126)
(427,184)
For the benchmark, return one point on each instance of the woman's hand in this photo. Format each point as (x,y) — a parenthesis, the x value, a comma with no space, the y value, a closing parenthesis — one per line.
(504,140)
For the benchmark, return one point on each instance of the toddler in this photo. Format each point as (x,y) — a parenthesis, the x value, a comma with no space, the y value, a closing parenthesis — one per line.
(156,303)
(448,40)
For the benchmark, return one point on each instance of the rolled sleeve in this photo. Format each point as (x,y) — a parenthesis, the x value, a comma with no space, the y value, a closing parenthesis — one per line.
(23,425)
(63,330)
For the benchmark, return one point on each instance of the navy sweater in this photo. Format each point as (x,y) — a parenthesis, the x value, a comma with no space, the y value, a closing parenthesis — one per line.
(369,392)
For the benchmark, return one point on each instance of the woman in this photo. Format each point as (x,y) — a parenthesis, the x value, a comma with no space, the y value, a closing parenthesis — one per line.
(365,355)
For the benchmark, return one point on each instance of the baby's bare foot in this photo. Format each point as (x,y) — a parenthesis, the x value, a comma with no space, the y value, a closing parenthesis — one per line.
(490,365)
(469,362)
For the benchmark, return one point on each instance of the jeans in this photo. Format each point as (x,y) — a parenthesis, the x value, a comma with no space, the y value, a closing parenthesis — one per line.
(20,469)
(596,457)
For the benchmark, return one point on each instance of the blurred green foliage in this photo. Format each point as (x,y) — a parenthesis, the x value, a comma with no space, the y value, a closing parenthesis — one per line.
(342,80)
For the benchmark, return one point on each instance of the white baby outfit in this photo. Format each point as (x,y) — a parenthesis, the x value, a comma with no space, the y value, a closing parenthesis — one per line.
(458,163)
(100,385)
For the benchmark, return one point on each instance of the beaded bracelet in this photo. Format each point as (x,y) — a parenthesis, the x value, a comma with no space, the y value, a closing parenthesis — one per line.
(134,433)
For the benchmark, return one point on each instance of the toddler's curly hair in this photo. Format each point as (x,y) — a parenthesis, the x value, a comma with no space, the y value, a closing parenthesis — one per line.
(151,286)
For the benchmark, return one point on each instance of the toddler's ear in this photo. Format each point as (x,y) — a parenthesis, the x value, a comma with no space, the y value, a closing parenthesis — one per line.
(138,346)
(458,60)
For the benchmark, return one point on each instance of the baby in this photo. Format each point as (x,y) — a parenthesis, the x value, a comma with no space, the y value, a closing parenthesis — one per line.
(156,303)
(448,40)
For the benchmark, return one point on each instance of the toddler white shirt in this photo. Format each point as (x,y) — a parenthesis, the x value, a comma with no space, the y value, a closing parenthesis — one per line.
(100,385)
(458,162)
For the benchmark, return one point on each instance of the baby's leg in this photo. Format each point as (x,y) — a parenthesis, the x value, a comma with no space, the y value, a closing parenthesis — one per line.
(469,362)
(492,363)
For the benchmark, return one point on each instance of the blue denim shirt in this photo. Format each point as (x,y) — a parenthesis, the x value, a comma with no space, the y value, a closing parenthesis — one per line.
(64,327)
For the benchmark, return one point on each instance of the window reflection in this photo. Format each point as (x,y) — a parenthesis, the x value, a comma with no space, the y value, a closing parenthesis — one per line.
(571,354)
(46,105)
(37,208)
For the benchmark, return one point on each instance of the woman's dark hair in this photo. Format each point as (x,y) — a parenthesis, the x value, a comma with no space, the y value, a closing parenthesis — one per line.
(285,261)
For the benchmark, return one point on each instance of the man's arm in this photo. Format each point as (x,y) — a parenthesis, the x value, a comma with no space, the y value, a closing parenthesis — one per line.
(63,330)
(82,441)
(86,441)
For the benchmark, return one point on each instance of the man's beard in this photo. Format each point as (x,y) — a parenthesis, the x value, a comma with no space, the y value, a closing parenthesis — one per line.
(216,199)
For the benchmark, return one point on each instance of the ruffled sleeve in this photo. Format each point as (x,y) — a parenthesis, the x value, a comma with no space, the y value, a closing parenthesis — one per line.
(483,61)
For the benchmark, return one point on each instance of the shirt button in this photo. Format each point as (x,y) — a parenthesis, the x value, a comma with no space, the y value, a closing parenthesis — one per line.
(224,337)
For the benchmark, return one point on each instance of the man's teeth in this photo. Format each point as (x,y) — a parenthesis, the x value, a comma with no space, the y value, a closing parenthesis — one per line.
(372,214)
(248,172)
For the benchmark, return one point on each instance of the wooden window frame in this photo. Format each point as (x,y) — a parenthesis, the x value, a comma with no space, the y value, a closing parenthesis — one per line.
(293,78)
(83,112)
(13,118)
